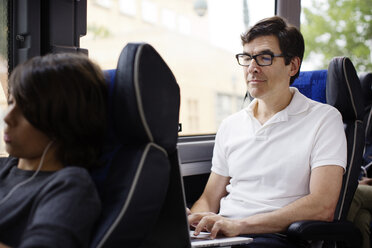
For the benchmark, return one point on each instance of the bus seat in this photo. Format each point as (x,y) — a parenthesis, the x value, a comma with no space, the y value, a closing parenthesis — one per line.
(366,83)
(143,117)
(344,92)
(312,84)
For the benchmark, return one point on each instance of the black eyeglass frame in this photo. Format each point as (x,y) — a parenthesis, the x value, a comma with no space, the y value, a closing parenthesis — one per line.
(255,56)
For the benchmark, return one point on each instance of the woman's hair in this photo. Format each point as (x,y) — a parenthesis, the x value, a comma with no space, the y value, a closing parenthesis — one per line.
(291,41)
(64,96)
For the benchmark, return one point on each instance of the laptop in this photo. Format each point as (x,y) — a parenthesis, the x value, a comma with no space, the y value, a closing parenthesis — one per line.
(203,240)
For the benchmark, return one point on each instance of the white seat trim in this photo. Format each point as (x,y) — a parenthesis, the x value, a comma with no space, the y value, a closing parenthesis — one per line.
(138,93)
(131,191)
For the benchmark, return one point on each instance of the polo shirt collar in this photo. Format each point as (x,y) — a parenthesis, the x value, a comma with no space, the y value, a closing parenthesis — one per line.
(298,104)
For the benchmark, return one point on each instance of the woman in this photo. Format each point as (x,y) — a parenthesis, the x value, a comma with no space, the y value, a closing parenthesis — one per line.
(54,131)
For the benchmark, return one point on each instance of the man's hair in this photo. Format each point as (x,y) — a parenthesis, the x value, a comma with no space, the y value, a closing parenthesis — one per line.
(64,96)
(291,42)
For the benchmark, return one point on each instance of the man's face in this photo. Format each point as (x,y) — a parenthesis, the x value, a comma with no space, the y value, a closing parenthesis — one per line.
(266,82)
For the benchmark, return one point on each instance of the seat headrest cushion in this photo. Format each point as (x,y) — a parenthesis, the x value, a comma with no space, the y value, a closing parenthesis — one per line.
(343,89)
(366,82)
(146,98)
(312,84)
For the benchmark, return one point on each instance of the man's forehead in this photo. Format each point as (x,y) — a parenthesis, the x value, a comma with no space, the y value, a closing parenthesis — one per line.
(262,44)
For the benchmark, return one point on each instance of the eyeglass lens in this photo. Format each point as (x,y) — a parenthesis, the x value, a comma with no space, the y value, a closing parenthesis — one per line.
(261,59)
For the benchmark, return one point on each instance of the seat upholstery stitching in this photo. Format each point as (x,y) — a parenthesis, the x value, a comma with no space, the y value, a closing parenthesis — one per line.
(138,93)
(348,86)
(130,194)
(349,169)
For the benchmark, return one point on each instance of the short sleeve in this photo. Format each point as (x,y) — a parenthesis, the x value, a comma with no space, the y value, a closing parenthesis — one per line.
(330,142)
(219,161)
(64,212)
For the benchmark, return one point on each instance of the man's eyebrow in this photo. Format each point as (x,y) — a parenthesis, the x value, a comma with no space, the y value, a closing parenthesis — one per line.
(266,51)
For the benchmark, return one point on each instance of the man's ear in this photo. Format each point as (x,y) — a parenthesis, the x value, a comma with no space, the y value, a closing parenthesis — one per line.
(295,66)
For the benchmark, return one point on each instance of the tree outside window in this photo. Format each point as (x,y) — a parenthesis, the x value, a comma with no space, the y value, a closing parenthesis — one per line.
(338,28)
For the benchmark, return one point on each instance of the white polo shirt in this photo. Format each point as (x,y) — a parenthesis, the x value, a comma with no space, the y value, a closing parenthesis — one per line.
(270,164)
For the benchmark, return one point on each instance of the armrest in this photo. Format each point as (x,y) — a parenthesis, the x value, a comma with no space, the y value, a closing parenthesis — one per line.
(343,231)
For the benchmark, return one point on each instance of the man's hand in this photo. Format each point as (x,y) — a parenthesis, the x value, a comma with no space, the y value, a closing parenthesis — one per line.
(188,211)
(4,246)
(195,218)
(215,224)
(366,181)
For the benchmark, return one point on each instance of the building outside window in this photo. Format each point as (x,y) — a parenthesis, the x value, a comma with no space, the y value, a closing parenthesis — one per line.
(199,48)
(128,7)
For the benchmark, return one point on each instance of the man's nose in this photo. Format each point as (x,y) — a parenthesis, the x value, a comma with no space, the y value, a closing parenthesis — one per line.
(253,67)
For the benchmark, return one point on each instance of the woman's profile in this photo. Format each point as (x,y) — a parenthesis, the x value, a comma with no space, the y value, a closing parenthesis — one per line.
(54,130)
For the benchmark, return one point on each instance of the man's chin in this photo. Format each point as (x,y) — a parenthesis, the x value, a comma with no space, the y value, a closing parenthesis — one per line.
(255,93)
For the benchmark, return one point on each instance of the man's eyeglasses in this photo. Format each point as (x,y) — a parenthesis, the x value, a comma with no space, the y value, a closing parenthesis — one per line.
(263,59)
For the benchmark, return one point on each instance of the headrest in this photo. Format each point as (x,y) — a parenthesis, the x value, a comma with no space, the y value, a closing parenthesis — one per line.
(343,89)
(312,84)
(145,98)
(366,83)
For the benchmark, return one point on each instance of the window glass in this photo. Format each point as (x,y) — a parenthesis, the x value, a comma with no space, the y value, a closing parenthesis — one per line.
(3,68)
(104,3)
(149,12)
(197,38)
(128,7)
(337,28)
(169,18)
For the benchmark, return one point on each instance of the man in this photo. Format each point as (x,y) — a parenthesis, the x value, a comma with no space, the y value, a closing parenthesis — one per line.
(282,158)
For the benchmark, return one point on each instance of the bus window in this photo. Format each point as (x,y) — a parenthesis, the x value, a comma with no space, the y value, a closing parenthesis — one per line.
(197,38)
(3,67)
(337,28)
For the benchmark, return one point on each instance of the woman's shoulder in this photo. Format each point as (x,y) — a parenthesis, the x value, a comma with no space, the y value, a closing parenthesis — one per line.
(8,160)
(71,182)
(73,174)
(6,163)
(73,170)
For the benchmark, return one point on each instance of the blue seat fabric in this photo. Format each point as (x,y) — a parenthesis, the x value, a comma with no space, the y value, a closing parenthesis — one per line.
(312,84)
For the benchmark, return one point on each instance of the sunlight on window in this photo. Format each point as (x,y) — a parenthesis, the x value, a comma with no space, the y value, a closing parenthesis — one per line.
(128,7)
(200,50)
(168,19)
(149,12)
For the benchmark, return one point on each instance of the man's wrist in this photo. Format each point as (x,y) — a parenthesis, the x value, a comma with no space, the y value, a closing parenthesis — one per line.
(241,226)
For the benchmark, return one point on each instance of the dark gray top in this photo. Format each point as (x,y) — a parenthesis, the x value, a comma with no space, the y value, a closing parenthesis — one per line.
(55,209)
